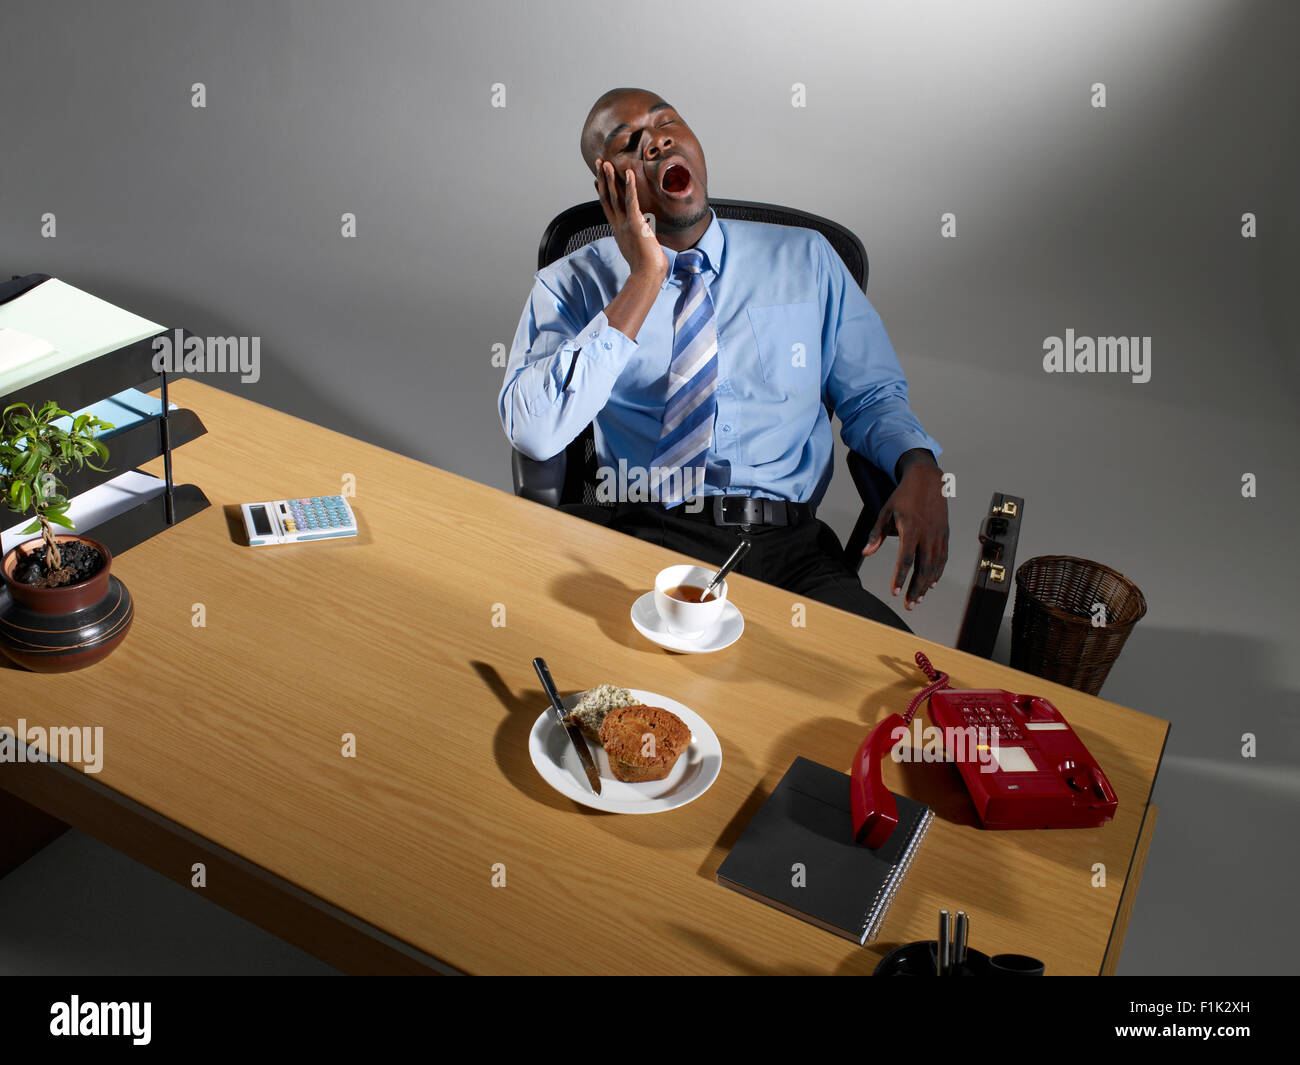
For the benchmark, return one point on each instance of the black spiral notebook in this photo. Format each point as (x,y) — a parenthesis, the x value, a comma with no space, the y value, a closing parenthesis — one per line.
(798,854)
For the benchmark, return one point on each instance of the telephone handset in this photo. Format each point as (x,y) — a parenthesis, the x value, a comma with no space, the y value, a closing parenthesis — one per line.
(1022,764)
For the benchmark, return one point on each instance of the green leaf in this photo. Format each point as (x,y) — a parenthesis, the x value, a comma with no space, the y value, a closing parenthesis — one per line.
(33,449)
(33,527)
(58,519)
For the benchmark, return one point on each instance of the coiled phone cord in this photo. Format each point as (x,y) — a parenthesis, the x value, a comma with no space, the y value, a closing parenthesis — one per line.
(938,681)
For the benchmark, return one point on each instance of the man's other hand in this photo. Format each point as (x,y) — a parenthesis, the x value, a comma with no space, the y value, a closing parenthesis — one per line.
(633,234)
(919,513)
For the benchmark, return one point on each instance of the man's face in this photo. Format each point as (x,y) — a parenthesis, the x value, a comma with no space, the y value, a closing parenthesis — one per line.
(640,132)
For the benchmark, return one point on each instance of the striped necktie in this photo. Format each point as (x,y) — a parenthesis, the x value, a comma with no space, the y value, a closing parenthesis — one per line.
(692,388)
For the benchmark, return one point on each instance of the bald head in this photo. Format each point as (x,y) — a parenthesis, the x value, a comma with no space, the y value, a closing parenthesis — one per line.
(638,136)
(603,118)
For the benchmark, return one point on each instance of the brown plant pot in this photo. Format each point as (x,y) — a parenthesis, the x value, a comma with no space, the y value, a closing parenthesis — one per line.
(57,630)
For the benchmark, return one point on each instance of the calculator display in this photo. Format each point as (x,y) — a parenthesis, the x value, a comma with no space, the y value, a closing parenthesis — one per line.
(260,521)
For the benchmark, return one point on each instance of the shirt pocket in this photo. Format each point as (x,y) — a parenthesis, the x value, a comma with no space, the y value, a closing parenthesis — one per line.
(789,341)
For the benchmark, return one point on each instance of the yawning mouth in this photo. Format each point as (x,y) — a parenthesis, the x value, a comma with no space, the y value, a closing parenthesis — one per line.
(676,180)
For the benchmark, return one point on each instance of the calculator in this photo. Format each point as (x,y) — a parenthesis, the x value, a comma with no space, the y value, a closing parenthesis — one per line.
(291,521)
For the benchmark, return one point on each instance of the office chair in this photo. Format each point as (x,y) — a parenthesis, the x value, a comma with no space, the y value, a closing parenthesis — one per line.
(570,476)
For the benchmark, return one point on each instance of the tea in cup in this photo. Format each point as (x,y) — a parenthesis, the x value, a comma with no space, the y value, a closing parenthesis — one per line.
(678,591)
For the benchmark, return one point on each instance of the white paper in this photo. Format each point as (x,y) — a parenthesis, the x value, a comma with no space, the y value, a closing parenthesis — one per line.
(89,509)
(17,348)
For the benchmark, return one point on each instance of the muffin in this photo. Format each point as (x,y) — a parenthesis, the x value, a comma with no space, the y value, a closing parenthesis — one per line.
(625,734)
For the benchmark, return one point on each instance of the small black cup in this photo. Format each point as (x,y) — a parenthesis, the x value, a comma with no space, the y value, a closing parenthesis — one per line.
(1015,965)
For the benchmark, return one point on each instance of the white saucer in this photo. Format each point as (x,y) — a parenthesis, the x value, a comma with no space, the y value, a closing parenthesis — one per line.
(556,760)
(645,616)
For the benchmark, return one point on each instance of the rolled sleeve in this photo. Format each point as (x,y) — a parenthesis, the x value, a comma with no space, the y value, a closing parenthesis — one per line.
(601,346)
(558,377)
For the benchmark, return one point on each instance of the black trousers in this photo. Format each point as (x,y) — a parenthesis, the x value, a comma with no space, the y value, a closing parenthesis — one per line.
(806,559)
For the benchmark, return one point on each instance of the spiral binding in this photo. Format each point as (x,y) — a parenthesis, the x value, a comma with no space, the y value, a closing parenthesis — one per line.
(885,896)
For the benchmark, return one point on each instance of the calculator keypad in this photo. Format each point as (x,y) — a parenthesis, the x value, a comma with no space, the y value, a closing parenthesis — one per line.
(318,514)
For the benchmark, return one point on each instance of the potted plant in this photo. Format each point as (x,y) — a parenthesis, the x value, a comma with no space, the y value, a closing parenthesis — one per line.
(61,608)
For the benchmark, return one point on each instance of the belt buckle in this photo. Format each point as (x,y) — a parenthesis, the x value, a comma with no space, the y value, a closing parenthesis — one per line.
(721,505)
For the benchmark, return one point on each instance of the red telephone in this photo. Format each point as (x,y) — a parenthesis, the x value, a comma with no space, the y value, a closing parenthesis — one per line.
(1021,762)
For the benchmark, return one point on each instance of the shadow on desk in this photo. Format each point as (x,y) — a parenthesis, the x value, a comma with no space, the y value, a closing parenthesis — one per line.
(580,590)
(235,524)
(510,743)
(761,643)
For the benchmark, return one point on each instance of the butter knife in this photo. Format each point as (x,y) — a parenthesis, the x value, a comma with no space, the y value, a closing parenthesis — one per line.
(575,734)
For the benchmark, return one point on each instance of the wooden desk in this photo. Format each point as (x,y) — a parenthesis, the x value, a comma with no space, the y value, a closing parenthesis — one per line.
(222,741)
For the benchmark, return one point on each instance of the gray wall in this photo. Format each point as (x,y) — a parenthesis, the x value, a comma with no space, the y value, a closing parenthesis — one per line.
(1117,221)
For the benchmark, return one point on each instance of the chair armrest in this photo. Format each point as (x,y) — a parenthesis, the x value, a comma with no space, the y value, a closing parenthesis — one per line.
(541,481)
(874,487)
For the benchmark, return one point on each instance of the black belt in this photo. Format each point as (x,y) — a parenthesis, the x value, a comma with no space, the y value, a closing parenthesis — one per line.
(747,512)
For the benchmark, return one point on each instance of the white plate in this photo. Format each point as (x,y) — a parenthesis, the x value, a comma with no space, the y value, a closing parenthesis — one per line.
(695,771)
(649,623)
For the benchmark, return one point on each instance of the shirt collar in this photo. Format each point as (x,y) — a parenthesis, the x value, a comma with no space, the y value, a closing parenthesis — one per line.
(712,244)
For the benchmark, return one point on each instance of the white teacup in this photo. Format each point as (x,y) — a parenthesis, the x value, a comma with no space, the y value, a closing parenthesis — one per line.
(684,619)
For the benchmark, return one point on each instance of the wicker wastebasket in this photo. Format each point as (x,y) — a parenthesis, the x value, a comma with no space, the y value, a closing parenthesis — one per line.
(1053,634)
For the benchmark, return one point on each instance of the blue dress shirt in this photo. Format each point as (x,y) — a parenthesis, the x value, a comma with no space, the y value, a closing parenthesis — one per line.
(795,333)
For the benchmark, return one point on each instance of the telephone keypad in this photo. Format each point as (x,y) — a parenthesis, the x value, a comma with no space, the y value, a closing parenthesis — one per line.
(999,718)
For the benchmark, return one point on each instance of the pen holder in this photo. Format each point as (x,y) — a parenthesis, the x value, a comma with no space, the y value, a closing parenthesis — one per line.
(921,959)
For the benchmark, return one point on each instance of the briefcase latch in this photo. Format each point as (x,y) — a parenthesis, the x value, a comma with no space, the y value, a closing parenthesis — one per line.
(996,571)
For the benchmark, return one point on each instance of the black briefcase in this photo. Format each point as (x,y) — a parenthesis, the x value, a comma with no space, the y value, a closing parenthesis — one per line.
(999,533)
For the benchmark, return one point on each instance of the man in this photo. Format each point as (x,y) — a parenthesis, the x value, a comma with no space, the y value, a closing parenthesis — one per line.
(706,351)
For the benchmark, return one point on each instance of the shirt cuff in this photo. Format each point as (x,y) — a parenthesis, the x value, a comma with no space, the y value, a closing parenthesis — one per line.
(888,453)
(603,345)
